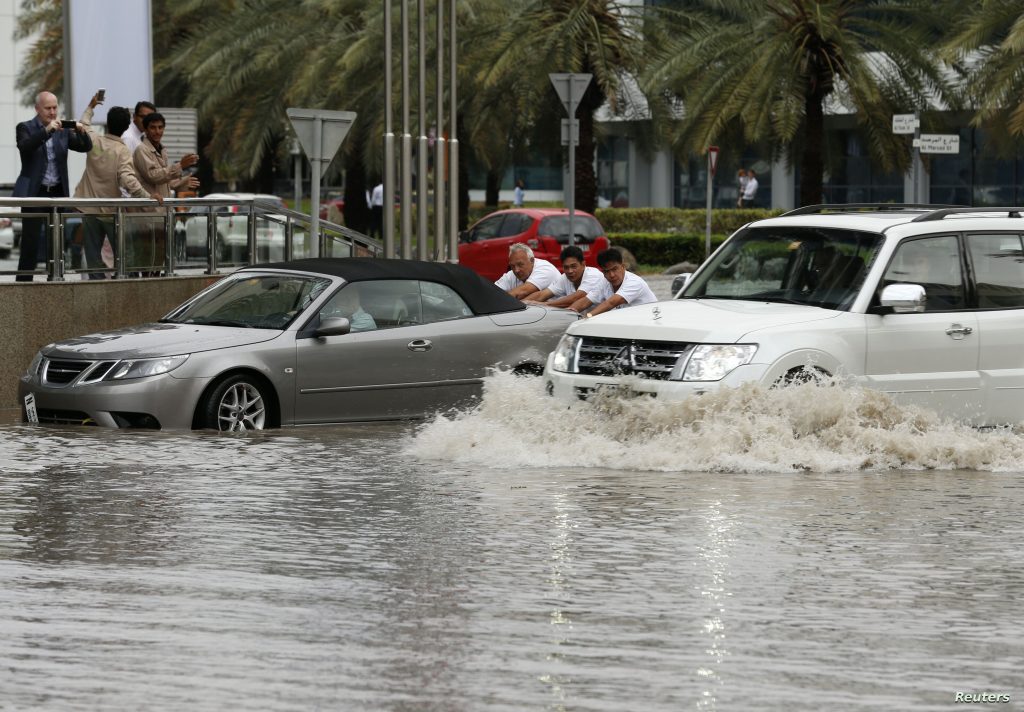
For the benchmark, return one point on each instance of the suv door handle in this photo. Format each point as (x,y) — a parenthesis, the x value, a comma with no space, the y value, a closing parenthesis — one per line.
(958,331)
(420,345)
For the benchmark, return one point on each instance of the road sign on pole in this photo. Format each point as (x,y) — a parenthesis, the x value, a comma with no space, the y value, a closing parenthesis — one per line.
(320,133)
(905,123)
(712,164)
(938,143)
(570,88)
(575,133)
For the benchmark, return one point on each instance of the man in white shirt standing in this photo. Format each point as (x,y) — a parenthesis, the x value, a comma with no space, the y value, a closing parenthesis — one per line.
(620,289)
(526,274)
(573,284)
(136,132)
(750,189)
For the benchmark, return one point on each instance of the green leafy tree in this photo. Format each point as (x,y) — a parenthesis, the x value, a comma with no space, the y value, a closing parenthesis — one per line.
(987,45)
(43,67)
(538,37)
(770,67)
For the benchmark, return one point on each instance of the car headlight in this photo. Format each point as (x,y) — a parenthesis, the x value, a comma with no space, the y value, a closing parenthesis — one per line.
(566,354)
(140,368)
(713,362)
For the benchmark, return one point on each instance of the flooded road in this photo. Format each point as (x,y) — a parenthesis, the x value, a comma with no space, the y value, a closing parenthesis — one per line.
(749,554)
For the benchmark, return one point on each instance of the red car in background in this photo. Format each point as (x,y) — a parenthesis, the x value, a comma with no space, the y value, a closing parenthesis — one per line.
(484,246)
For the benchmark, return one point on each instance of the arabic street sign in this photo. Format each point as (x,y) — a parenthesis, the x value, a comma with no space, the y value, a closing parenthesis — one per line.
(904,123)
(938,143)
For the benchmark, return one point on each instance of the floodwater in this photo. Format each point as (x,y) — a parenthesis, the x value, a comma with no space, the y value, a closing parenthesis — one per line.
(804,549)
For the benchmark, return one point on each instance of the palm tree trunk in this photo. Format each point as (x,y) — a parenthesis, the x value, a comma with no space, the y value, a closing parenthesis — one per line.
(586,181)
(812,164)
(357,212)
(493,187)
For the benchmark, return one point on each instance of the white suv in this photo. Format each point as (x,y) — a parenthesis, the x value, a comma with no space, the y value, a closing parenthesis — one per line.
(923,303)
(232,230)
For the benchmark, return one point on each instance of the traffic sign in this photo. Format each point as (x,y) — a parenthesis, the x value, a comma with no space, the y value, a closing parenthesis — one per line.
(333,127)
(570,88)
(904,123)
(575,132)
(938,143)
(713,158)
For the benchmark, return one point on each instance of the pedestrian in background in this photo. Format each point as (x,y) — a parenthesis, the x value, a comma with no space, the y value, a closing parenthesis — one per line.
(741,182)
(519,193)
(43,143)
(377,211)
(108,169)
(750,190)
(156,176)
(134,134)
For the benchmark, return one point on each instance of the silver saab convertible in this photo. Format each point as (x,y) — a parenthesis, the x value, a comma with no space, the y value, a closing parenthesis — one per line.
(309,341)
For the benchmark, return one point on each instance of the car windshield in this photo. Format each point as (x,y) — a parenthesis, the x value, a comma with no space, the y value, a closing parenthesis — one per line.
(254,301)
(794,265)
(558,226)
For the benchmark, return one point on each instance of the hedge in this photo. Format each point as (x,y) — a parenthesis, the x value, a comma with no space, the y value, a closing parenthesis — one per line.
(665,248)
(678,220)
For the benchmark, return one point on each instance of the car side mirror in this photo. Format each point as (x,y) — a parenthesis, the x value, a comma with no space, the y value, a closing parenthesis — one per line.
(680,281)
(333,326)
(904,298)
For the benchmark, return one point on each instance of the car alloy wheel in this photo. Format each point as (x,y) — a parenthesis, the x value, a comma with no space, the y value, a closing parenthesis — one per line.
(236,404)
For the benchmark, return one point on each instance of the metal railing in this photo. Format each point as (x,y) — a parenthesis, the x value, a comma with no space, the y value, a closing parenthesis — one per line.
(180,236)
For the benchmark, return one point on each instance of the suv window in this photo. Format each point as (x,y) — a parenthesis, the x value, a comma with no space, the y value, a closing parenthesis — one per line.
(816,266)
(998,262)
(558,226)
(934,263)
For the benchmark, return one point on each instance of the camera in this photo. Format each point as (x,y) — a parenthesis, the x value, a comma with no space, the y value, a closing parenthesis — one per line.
(67,123)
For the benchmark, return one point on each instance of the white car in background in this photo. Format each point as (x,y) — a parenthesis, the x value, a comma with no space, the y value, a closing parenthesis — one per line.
(6,237)
(232,230)
(925,304)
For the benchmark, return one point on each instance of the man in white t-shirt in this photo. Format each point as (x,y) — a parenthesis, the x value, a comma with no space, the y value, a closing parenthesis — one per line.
(526,274)
(620,289)
(573,284)
(750,189)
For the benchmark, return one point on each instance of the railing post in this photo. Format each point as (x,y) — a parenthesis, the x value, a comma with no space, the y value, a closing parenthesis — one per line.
(289,237)
(170,254)
(119,258)
(211,241)
(55,268)
(250,235)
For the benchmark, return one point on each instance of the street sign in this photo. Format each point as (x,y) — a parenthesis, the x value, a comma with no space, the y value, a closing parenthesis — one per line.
(570,88)
(904,123)
(713,158)
(334,126)
(575,132)
(938,143)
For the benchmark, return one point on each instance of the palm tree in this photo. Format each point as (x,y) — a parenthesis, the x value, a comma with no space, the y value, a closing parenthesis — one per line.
(771,66)
(988,45)
(43,68)
(539,37)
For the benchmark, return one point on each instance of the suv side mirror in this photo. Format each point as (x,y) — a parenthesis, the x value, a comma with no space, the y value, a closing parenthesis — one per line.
(904,298)
(680,281)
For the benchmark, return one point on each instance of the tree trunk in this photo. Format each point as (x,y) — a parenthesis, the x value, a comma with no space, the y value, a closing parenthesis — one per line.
(493,187)
(812,164)
(357,212)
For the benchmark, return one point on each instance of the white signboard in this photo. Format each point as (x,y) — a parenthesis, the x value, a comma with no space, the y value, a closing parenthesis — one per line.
(938,143)
(904,123)
(108,47)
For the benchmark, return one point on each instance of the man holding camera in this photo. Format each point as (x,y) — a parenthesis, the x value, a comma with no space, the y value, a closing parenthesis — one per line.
(43,143)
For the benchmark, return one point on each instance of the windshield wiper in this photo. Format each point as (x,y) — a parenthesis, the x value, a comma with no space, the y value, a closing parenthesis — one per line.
(221,322)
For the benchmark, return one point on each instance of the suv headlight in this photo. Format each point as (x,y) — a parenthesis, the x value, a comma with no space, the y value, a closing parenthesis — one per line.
(140,368)
(713,362)
(566,354)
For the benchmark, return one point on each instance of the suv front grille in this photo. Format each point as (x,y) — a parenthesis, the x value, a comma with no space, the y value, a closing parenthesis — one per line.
(614,357)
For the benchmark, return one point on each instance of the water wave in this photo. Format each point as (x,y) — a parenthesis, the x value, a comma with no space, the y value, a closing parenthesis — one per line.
(815,427)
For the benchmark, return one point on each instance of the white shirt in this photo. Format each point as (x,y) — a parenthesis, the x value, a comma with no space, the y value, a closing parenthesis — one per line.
(750,189)
(377,196)
(132,137)
(563,287)
(543,275)
(633,289)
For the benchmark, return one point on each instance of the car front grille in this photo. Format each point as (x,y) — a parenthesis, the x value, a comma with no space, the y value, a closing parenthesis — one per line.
(64,417)
(63,372)
(615,357)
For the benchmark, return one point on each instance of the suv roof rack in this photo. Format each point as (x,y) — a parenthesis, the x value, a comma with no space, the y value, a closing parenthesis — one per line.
(942,213)
(864,207)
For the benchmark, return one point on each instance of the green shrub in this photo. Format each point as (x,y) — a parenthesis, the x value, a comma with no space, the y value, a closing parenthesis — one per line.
(678,220)
(661,248)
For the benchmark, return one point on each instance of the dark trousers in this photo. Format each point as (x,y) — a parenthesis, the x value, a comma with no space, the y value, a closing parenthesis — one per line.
(96,228)
(376,221)
(35,238)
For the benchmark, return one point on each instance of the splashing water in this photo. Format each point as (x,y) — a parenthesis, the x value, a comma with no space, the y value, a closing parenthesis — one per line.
(828,427)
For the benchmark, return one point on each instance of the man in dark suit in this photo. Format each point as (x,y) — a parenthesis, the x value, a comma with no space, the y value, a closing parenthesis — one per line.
(43,144)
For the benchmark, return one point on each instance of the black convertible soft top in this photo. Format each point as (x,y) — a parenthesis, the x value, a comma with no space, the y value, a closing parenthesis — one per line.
(481,296)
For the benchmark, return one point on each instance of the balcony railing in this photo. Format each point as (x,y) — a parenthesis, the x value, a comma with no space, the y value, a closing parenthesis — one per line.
(181,236)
